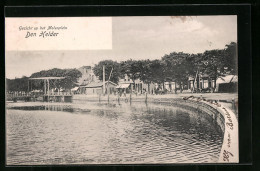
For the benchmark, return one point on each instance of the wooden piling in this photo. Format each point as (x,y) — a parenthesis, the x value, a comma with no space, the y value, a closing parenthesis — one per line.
(118,98)
(233,104)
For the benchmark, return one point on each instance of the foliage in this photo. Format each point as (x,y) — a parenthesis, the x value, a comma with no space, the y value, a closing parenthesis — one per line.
(218,63)
(157,71)
(70,75)
(21,84)
(230,59)
(18,84)
(176,67)
(109,64)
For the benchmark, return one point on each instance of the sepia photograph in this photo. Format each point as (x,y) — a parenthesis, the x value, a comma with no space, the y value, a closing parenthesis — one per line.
(121,90)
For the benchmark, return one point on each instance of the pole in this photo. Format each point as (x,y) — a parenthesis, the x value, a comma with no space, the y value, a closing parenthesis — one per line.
(110,74)
(108,82)
(199,82)
(28,85)
(104,88)
(44,87)
(175,87)
(195,80)
(48,89)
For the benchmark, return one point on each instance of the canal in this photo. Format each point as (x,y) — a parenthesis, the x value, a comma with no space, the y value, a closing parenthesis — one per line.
(84,132)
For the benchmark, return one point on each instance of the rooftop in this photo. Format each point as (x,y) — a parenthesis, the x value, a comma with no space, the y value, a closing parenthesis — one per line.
(97,84)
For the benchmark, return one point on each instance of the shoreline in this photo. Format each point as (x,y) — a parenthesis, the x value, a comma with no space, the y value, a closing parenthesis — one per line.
(223,113)
(224,99)
(220,112)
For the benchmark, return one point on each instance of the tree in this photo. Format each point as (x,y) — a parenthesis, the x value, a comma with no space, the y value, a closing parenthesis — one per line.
(21,84)
(220,62)
(177,68)
(157,71)
(71,76)
(146,72)
(230,58)
(17,84)
(109,64)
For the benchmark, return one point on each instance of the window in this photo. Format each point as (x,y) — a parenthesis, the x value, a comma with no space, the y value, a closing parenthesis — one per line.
(205,85)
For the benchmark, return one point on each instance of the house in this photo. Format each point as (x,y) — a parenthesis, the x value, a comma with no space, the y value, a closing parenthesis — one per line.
(228,83)
(206,83)
(171,86)
(75,90)
(87,77)
(127,85)
(97,88)
(203,83)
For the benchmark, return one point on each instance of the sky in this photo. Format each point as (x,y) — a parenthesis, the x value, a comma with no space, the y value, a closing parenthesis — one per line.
(134,38)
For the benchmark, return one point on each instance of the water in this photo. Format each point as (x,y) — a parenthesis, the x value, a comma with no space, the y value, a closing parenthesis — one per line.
(88,133)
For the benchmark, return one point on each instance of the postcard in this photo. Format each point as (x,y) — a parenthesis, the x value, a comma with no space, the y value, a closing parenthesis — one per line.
(121,90)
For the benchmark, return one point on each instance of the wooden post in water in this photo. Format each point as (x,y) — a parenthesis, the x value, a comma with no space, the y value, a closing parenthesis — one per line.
(199,84)
(130,97)
(28,85)
(195,81)
(48,90)
(118,98)
(104,84)
(233,104)
(145,97)
(44,87)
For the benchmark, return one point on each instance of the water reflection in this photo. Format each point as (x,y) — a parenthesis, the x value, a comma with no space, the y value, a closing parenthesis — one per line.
(109,133)
(52,108)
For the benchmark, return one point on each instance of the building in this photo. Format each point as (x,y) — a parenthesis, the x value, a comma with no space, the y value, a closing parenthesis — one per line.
(203,83)
(87,77)
(75,90)
(227,84)
(125,84)
(137,86)
(171,86)
(97,88)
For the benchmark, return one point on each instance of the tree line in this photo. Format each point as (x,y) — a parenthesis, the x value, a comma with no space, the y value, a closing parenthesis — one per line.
(177,67)
(23,84)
